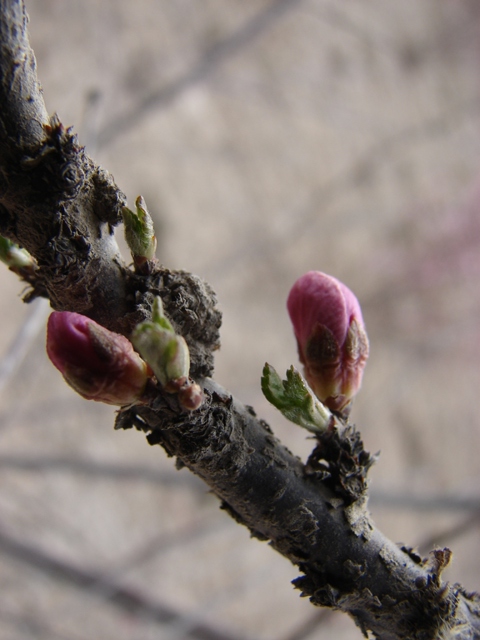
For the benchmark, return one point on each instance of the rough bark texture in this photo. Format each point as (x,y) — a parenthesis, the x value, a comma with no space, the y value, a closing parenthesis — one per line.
(318,519)
(58,204)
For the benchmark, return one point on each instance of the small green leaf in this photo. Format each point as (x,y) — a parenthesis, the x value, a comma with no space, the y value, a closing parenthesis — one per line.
(139,232)
(272,386)
(295,400)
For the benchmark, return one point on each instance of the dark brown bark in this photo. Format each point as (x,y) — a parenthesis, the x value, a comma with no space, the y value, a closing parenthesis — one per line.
(54,200)
(59,205)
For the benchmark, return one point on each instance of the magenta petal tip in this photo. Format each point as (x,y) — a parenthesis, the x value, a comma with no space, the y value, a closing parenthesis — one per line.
(99,364)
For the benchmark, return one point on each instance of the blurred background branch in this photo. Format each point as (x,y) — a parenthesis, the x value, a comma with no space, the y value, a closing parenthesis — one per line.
(216,55)
(277,150)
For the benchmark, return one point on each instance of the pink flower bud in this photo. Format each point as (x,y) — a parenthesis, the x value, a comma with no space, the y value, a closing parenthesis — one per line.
(331,338)
(99,364)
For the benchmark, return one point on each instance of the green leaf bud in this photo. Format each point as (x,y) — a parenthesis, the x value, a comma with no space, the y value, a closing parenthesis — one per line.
(295,400)
(139,231)
(165,351)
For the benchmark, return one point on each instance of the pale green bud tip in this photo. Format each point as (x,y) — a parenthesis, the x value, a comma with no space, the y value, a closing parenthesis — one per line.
(139,231)
(99,364)
(158,315)
(14,256)
(168,355)
(166,352)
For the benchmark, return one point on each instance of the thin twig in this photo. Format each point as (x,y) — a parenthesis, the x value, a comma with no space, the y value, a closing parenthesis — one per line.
(34,625)
(122,597)
(446,536)
(89,126)
(423,503)
(22,343)
(304,215)
(100,469)
(166,542)
(308,627)
(216,56)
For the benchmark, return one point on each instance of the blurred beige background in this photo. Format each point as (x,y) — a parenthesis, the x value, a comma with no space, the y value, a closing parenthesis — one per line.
(268,138)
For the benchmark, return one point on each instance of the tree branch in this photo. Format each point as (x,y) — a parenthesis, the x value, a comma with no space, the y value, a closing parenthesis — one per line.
(23,113)
(62,207)
(54,201)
